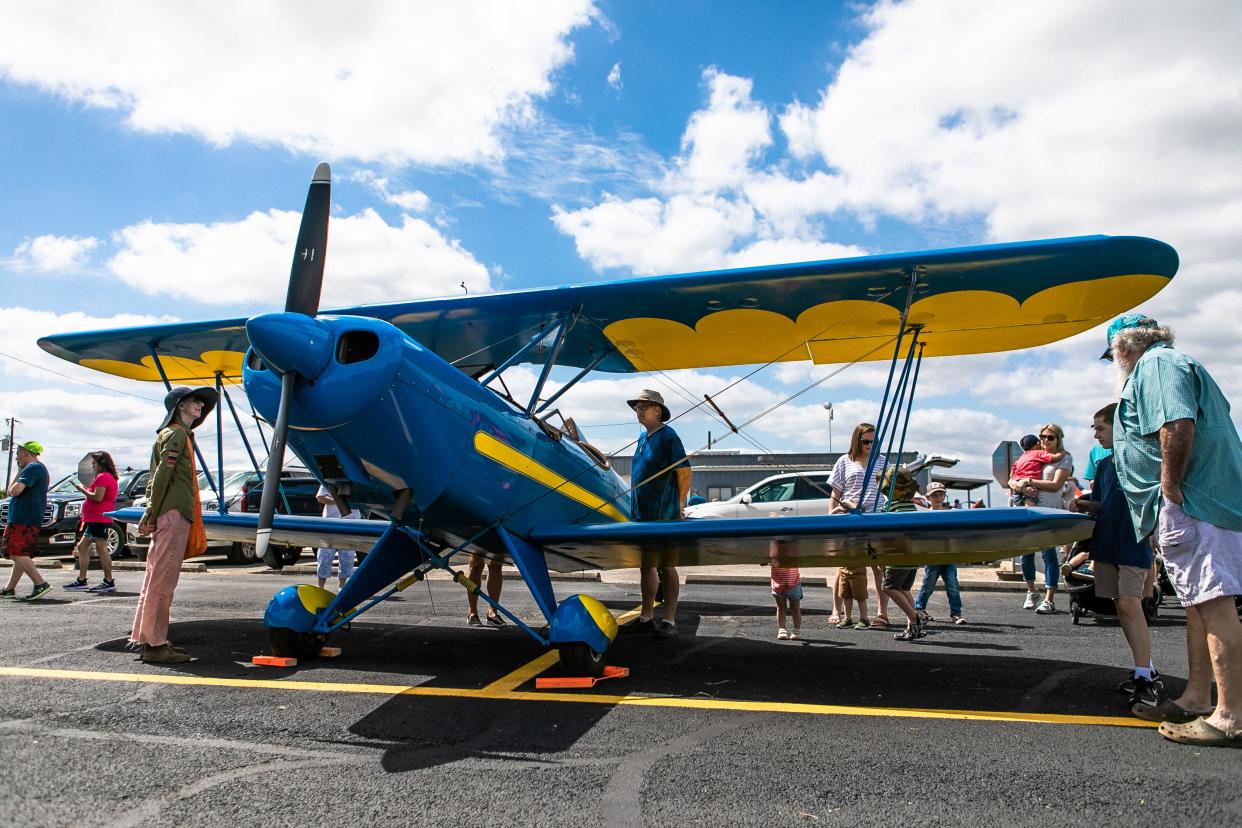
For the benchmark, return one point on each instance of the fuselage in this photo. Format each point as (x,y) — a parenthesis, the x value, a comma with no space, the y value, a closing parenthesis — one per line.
(382,414)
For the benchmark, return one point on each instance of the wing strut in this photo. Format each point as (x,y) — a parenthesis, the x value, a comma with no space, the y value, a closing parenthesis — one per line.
(913,275)
(202,463)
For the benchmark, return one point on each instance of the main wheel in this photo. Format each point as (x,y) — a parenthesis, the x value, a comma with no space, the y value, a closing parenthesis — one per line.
(289,555)
(577,659)
(289,644)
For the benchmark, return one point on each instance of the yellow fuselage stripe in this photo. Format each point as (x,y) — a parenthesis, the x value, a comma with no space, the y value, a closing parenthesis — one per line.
(509,457)
(579,698)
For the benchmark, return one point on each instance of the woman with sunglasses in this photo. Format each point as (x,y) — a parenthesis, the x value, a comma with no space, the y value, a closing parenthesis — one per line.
(846,482)
(1047,491)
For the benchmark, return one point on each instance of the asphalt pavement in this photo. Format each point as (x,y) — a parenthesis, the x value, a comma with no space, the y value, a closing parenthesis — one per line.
(1011,719)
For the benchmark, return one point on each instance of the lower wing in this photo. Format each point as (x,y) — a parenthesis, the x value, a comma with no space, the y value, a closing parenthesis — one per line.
(884,539)
(287,530)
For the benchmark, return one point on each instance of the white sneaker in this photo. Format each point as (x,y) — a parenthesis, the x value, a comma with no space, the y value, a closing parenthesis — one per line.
(1046,607)
(782,634)
(793,636)
(1030,600)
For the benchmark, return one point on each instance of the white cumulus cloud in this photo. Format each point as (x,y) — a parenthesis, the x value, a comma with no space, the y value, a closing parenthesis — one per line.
(52,254)
(248,261)
(386,81)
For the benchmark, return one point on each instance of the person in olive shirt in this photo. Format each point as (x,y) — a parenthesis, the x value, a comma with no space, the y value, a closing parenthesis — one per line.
(174,519)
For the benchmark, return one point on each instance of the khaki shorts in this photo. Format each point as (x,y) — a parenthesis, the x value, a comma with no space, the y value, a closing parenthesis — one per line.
(1204,561)
(852,585)
(1120,581)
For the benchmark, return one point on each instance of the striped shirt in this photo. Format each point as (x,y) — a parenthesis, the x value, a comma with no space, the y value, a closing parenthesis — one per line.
(785,578)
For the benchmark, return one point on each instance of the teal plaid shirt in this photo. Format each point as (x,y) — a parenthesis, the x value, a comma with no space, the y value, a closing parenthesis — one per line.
(1167,385)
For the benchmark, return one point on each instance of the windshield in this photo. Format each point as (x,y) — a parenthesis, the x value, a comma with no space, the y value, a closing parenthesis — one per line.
(64,486)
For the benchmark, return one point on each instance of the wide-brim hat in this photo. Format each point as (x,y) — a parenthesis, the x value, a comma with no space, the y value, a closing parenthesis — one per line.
(649,396)
(174,397)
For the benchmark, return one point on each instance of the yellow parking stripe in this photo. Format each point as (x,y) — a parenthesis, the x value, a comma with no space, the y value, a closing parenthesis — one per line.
(578,698)
(524,673)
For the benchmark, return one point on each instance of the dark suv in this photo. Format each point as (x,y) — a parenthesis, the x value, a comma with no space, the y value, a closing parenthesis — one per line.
(63,515)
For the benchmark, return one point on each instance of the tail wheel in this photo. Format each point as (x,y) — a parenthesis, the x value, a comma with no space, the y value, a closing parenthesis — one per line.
(287,643)
(1075,612)
(578,659)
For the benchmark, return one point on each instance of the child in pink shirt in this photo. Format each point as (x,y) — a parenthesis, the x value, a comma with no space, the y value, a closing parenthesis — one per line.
(786,588)
(1030,466)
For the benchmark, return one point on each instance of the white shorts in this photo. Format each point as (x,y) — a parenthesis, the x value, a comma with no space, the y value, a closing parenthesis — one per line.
(1204,561)
(345,562)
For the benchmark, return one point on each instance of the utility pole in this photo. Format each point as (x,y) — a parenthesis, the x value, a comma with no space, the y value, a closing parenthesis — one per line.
(828,408)
(8,476)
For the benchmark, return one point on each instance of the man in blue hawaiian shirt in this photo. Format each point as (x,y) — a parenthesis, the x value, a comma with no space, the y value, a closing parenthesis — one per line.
(659,483)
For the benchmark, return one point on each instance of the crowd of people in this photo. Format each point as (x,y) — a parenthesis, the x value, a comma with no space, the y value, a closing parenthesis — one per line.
(1166,475)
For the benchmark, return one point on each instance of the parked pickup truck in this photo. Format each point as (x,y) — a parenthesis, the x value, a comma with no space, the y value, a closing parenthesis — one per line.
(63,515)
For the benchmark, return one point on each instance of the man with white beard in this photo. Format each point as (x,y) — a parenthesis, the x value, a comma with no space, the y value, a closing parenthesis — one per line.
(1179,461)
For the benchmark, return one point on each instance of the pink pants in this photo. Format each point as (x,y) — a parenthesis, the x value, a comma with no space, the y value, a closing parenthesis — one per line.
(164,558)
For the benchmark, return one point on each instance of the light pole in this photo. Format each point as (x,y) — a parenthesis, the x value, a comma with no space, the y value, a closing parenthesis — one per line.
(828,408)
(8,476)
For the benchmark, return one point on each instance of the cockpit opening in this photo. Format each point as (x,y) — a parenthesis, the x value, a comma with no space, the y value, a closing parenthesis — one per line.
(356,346)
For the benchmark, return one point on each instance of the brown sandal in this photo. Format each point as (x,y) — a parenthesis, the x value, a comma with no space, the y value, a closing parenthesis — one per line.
(1199,732)
(880,622)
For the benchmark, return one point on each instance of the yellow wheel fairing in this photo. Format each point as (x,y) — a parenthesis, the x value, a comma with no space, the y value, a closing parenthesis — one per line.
(178,369)
(958,322)
(511,458)
(603,618)
(581,618)
(314,598)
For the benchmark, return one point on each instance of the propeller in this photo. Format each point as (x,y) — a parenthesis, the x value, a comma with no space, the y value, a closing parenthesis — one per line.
(305,283)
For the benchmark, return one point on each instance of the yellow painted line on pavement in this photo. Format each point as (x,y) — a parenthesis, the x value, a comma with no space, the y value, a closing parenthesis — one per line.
(524,673)
(679,702)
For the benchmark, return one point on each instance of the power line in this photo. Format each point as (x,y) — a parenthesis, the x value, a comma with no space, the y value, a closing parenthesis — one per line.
(76,379)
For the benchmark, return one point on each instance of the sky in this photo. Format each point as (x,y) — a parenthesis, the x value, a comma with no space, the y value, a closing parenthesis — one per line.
(156,158)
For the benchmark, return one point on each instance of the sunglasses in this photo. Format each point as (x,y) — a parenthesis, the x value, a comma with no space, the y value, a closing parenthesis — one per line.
(867,442)
(1048,437)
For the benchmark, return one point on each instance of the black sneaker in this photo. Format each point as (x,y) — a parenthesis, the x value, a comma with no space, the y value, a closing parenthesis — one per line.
(665,629)
(104,586)
(910,633)
(638,625)
(7,593)
(1147,693)
(77,584)
(38,592)
(1126,688)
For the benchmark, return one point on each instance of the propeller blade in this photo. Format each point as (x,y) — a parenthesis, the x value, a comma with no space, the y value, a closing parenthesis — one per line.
(271,479)
(306,275)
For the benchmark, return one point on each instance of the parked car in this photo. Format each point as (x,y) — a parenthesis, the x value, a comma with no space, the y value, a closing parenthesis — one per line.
(62,518)
(242,492)
(782,495)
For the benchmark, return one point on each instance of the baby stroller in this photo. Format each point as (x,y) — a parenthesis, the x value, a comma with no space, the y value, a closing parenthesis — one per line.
(1080,584)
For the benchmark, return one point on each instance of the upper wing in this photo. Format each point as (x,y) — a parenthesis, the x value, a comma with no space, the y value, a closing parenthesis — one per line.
(882,539)
(970,300)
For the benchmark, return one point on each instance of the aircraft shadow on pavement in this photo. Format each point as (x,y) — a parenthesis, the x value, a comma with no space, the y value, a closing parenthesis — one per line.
(952,669)
(420,732)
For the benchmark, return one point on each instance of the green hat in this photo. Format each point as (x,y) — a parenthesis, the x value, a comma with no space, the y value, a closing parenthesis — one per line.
(32,446)
(1128,320)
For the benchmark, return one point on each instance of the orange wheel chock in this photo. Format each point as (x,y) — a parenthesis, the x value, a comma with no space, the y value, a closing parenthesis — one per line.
(274,661)
(571,682)
(329,652)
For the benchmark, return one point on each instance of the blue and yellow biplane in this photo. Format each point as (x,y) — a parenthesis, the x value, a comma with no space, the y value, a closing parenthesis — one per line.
(402,408)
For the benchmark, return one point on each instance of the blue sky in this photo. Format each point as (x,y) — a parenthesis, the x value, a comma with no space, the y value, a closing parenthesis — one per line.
(155,157)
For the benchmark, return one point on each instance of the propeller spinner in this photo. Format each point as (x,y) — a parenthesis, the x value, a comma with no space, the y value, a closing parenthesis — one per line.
(305,284)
